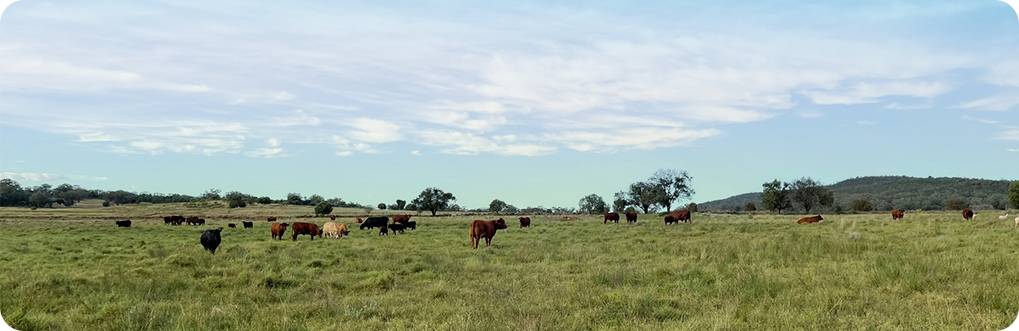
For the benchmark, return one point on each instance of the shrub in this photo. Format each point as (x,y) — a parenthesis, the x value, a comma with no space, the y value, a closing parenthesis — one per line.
(323,208)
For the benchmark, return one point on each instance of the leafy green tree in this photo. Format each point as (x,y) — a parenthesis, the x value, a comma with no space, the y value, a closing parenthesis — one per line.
(40,199)
(211,194)
(861,204)
(645,195)
(12,194)
(433,199)
(1013,194)
(264,200)
(401,204)
(955,203)
(672,185)
(510,209)
(323,208)
(592,204)
(750,206)
(315,199)
(809,194)
(692,207)
(382,205)
(294,199)
(497,206)
(619,201)
(775,196)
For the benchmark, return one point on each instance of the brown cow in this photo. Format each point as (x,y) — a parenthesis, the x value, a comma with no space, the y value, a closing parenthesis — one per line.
(682,215)
(332,217)
(631,217)
(614,217)
(270,219)
(299,228)
(402,219)
(898,214)
(967,214)
(278,229)
(485,229)
(810,220)
(525,222)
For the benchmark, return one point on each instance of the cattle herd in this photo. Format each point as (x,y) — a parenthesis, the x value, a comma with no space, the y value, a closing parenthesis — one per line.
(398,224)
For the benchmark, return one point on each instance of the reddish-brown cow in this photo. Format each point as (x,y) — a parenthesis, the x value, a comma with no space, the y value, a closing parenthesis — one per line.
(631,217)
(402,219)
(967,214)
(299,228)
(278,229)
(485,229)
(898,214)
(678,216)
(614,217)
(525,222)
(810,220)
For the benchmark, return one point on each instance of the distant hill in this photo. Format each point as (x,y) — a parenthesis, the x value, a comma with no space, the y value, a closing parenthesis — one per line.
(888,192)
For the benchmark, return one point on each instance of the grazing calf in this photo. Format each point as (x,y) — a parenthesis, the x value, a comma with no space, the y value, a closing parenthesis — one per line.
(278,229)
(375,222)
(898,214)
(231,225)
(613,217)
(484,229)
(967,214)
(631,217)
(332,230)
(402,219)
(248,224)
(413,225)
(810,220)
(270,219)
(525,222)
(383,231)
(299,228)
(396,228)
(210,239)
(1003,217)
(123,223)
(682,215)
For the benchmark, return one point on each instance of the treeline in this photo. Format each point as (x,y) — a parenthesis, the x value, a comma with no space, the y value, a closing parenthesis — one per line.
(13,194)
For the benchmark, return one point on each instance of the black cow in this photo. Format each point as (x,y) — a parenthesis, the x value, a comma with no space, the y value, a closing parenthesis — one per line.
(210,239)
(124,223)
(375,222)
(383,230)
(248,225)
(413,225)
(396,228)
(231,225)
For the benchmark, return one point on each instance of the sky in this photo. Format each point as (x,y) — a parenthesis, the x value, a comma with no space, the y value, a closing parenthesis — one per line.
(537,103)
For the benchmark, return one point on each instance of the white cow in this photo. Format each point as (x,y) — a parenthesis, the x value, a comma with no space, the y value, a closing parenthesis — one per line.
(1003,217)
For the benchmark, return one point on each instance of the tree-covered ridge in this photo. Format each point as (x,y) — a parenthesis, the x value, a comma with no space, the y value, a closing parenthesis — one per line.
(888,192)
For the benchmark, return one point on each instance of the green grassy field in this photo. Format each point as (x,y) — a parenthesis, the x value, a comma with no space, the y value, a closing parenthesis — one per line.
(69,269)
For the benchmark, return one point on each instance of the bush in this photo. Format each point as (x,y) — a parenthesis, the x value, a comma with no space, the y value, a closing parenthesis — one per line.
(234,203)
(323,208)
(381,206)
(862,205)
(264,200)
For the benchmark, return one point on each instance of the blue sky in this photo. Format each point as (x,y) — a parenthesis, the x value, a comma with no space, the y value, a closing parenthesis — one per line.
(534,103)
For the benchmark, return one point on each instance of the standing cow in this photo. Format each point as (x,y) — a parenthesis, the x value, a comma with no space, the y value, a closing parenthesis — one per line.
(210,239)
(334,230)
(967,214)
(299,228)
(123,223)
(402,219)
(682,215)
(898,214)
(248,224)
(631,217)
(485,229)
(525,222)
(374,222)
(278,229)
(613,217)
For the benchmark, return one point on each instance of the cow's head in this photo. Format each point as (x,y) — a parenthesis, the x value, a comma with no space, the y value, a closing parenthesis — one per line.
(500,223)
(819,218)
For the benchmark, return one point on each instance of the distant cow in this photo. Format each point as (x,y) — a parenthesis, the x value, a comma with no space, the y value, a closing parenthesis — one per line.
(334,230)
(173,220)
(123,223)
(167,219)
(402,219)
(270,219)
(374,222)
(248,224)
(967,214)
(613,217)
(332,217)
(411,225)
(231,225)
(191,220)
(485,229)
(682,215)
(396,228)
(201,221)
(631,217)
(299,228)
(384,230)
(210,239)
(278,229)
(810,220)
(525,222)
(898,214)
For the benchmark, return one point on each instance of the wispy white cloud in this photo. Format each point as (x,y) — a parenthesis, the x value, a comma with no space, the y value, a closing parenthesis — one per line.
(466,143)
(993,103)
(1009,134)
(46,177)
(860,93)
(273,148)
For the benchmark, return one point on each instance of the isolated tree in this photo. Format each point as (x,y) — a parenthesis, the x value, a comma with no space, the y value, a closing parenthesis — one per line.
(1013,194)
(236,199)
(496,206)
(323,208)
(809,194)
(315,199)
(644,195)
(433,199)
(750,206)
(382,205)
(400,204)
(775,196)
(294,199)
(592,204)
(619,202)
(672,185)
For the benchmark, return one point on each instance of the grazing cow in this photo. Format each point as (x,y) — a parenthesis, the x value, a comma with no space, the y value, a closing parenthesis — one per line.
(485,229)
(384,230)
(359,220)
(167,219)
(411,225)
(270,219)
(332,230)
(525,222)
(402,219)
(898,214)
(178,220)
(343,230)
(210,239)
(191,220)
(248,224)
(810,220)
(614,217)
(682,215)
(374,222)
(278,229)
(1003,217)
(631,217)
(299,228)
(123,223)
(201,221)
(231,225)
(967,214)
(396,228)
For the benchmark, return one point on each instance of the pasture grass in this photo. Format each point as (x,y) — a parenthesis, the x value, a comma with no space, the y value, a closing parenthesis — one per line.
(930,271)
